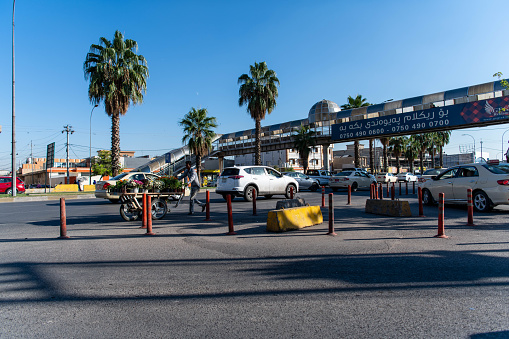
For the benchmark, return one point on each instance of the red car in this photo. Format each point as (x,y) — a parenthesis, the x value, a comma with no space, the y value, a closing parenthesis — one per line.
(6,185)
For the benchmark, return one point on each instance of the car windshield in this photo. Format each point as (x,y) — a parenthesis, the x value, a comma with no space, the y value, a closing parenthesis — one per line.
(313,172)
(230,171)
(432,172)
(497,169)
(343,174)
(120,176)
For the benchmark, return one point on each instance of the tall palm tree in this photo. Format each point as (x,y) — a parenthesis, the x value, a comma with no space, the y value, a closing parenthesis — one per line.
(442,139)
(303,140)
(198,133)
(259,93)
(397,146)
(356,102)
(424,140)
(411,151)
(385,144)
(118,77)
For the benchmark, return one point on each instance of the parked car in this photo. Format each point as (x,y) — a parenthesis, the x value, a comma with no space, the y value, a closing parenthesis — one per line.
(305,181)
(243,181)
(6,185)
(428,174)
(408,177)
(386,177)
(322,176)
(101,187)
(489,183)
(355,179)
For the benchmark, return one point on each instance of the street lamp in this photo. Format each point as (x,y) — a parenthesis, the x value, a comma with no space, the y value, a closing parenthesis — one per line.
(475,155)
(90,149)
(503,144)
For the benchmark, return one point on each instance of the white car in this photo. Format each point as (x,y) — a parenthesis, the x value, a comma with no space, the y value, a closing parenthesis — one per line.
(355,179)
(408,177)
(489,183)
(386,177)
(429,174)
(101,187)
(305,181)
(322,176)
(243,181)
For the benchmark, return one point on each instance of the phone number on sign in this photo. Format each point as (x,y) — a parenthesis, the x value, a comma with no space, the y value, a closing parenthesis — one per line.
(421,125)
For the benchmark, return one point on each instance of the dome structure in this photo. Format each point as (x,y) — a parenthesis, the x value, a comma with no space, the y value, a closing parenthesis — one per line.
(322,110)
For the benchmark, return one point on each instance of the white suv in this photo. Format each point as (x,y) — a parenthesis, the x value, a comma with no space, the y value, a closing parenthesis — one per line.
(244,180)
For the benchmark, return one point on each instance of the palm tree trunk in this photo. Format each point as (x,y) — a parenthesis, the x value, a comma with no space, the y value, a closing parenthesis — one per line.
(115,144)
(258,142)
(371,157)
(441,157)
(356,154)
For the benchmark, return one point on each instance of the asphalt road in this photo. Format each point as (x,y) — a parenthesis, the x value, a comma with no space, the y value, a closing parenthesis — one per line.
(381,277)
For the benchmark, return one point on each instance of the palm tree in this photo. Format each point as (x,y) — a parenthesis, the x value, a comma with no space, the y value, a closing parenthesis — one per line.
(397,146)
(385,143)
(423,141)
(411,151)
(303,140)
(118,77)
(356,102)
(442,139)
(198,133)
(259,93)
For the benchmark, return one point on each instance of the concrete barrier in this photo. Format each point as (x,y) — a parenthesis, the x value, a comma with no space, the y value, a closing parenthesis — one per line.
(293,218)
(393,208)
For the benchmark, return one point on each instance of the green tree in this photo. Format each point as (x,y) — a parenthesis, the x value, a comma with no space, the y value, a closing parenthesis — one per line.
(118,77)
(442,138)
(259,93)
(102,164)
(198,133)
(397,146)
(385,144)
(423,140)
(356,102)
(411,152)
(303,140)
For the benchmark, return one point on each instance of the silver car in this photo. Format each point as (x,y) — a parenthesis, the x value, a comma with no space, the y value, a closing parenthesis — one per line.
(305,181)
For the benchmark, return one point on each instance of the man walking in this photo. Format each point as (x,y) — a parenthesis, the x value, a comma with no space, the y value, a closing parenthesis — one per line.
(190,173)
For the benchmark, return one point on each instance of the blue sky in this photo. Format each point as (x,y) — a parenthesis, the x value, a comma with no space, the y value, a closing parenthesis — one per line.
(196,50)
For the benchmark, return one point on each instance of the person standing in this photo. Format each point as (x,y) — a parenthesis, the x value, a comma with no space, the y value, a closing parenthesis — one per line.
(192,177)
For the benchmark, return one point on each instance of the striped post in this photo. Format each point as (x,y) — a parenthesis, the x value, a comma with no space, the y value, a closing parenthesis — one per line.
(419,197)
(441,233)
(291,192)
(63,220)
(144,211)
(231,231)
(254,202)
(470,208)
(323,196)
(149,215)
(381,192)
(349,195)
(207,206)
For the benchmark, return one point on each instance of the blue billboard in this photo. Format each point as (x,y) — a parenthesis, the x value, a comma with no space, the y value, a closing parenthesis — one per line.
(454,116)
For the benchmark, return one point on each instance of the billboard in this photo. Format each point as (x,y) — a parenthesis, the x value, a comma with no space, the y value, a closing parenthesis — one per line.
(453,116)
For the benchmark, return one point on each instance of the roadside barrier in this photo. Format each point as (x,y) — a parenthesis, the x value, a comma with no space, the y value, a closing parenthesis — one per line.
(331,213)
(393,192)
(470,208)
(254,202)
(145,211)
(349,202)
(419,197)
(323,196)
(441,233)
(149,215)
(207,206)
(63,220)
(231,231)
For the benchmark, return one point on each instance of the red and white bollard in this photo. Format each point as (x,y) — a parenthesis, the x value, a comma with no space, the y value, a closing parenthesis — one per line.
(291,192)
(231,231)
(441,233)
(419,197)
(63,220)
(207,206)
(331,215)
(149,215)
(144,211)
(470,208)
(371,191)
(323,196)
(381,192)
(254,202)
(349,195)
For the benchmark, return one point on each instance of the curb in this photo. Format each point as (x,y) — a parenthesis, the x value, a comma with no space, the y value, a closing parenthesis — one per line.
(48,197)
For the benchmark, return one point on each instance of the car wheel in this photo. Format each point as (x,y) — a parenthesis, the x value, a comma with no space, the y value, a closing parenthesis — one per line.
(314,187)
(427,198)
(248,193)
(225,195)
(288,189)
(159,209)
(114,201)
(334,189)
(127,214)
(355,186)
(9,191)
(268,196)
(481,202)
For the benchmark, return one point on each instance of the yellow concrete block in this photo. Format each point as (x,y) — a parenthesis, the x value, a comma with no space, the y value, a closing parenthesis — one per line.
(294,218)
(89,188)
(393,208)
(66,188)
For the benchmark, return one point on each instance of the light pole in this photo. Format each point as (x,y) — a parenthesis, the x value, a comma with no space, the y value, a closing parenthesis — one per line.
(475,155)
(90,150)
(13,113)
(503,144)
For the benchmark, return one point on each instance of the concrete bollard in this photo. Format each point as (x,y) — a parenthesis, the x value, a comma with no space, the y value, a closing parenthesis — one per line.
(63,220)
(470,208)
(231,231)
(149,215)
(441,233)
(331,214)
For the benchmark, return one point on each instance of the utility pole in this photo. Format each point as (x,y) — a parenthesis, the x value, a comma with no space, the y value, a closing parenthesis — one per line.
(67,129)
(32,160)
(481,149)
(14,180)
